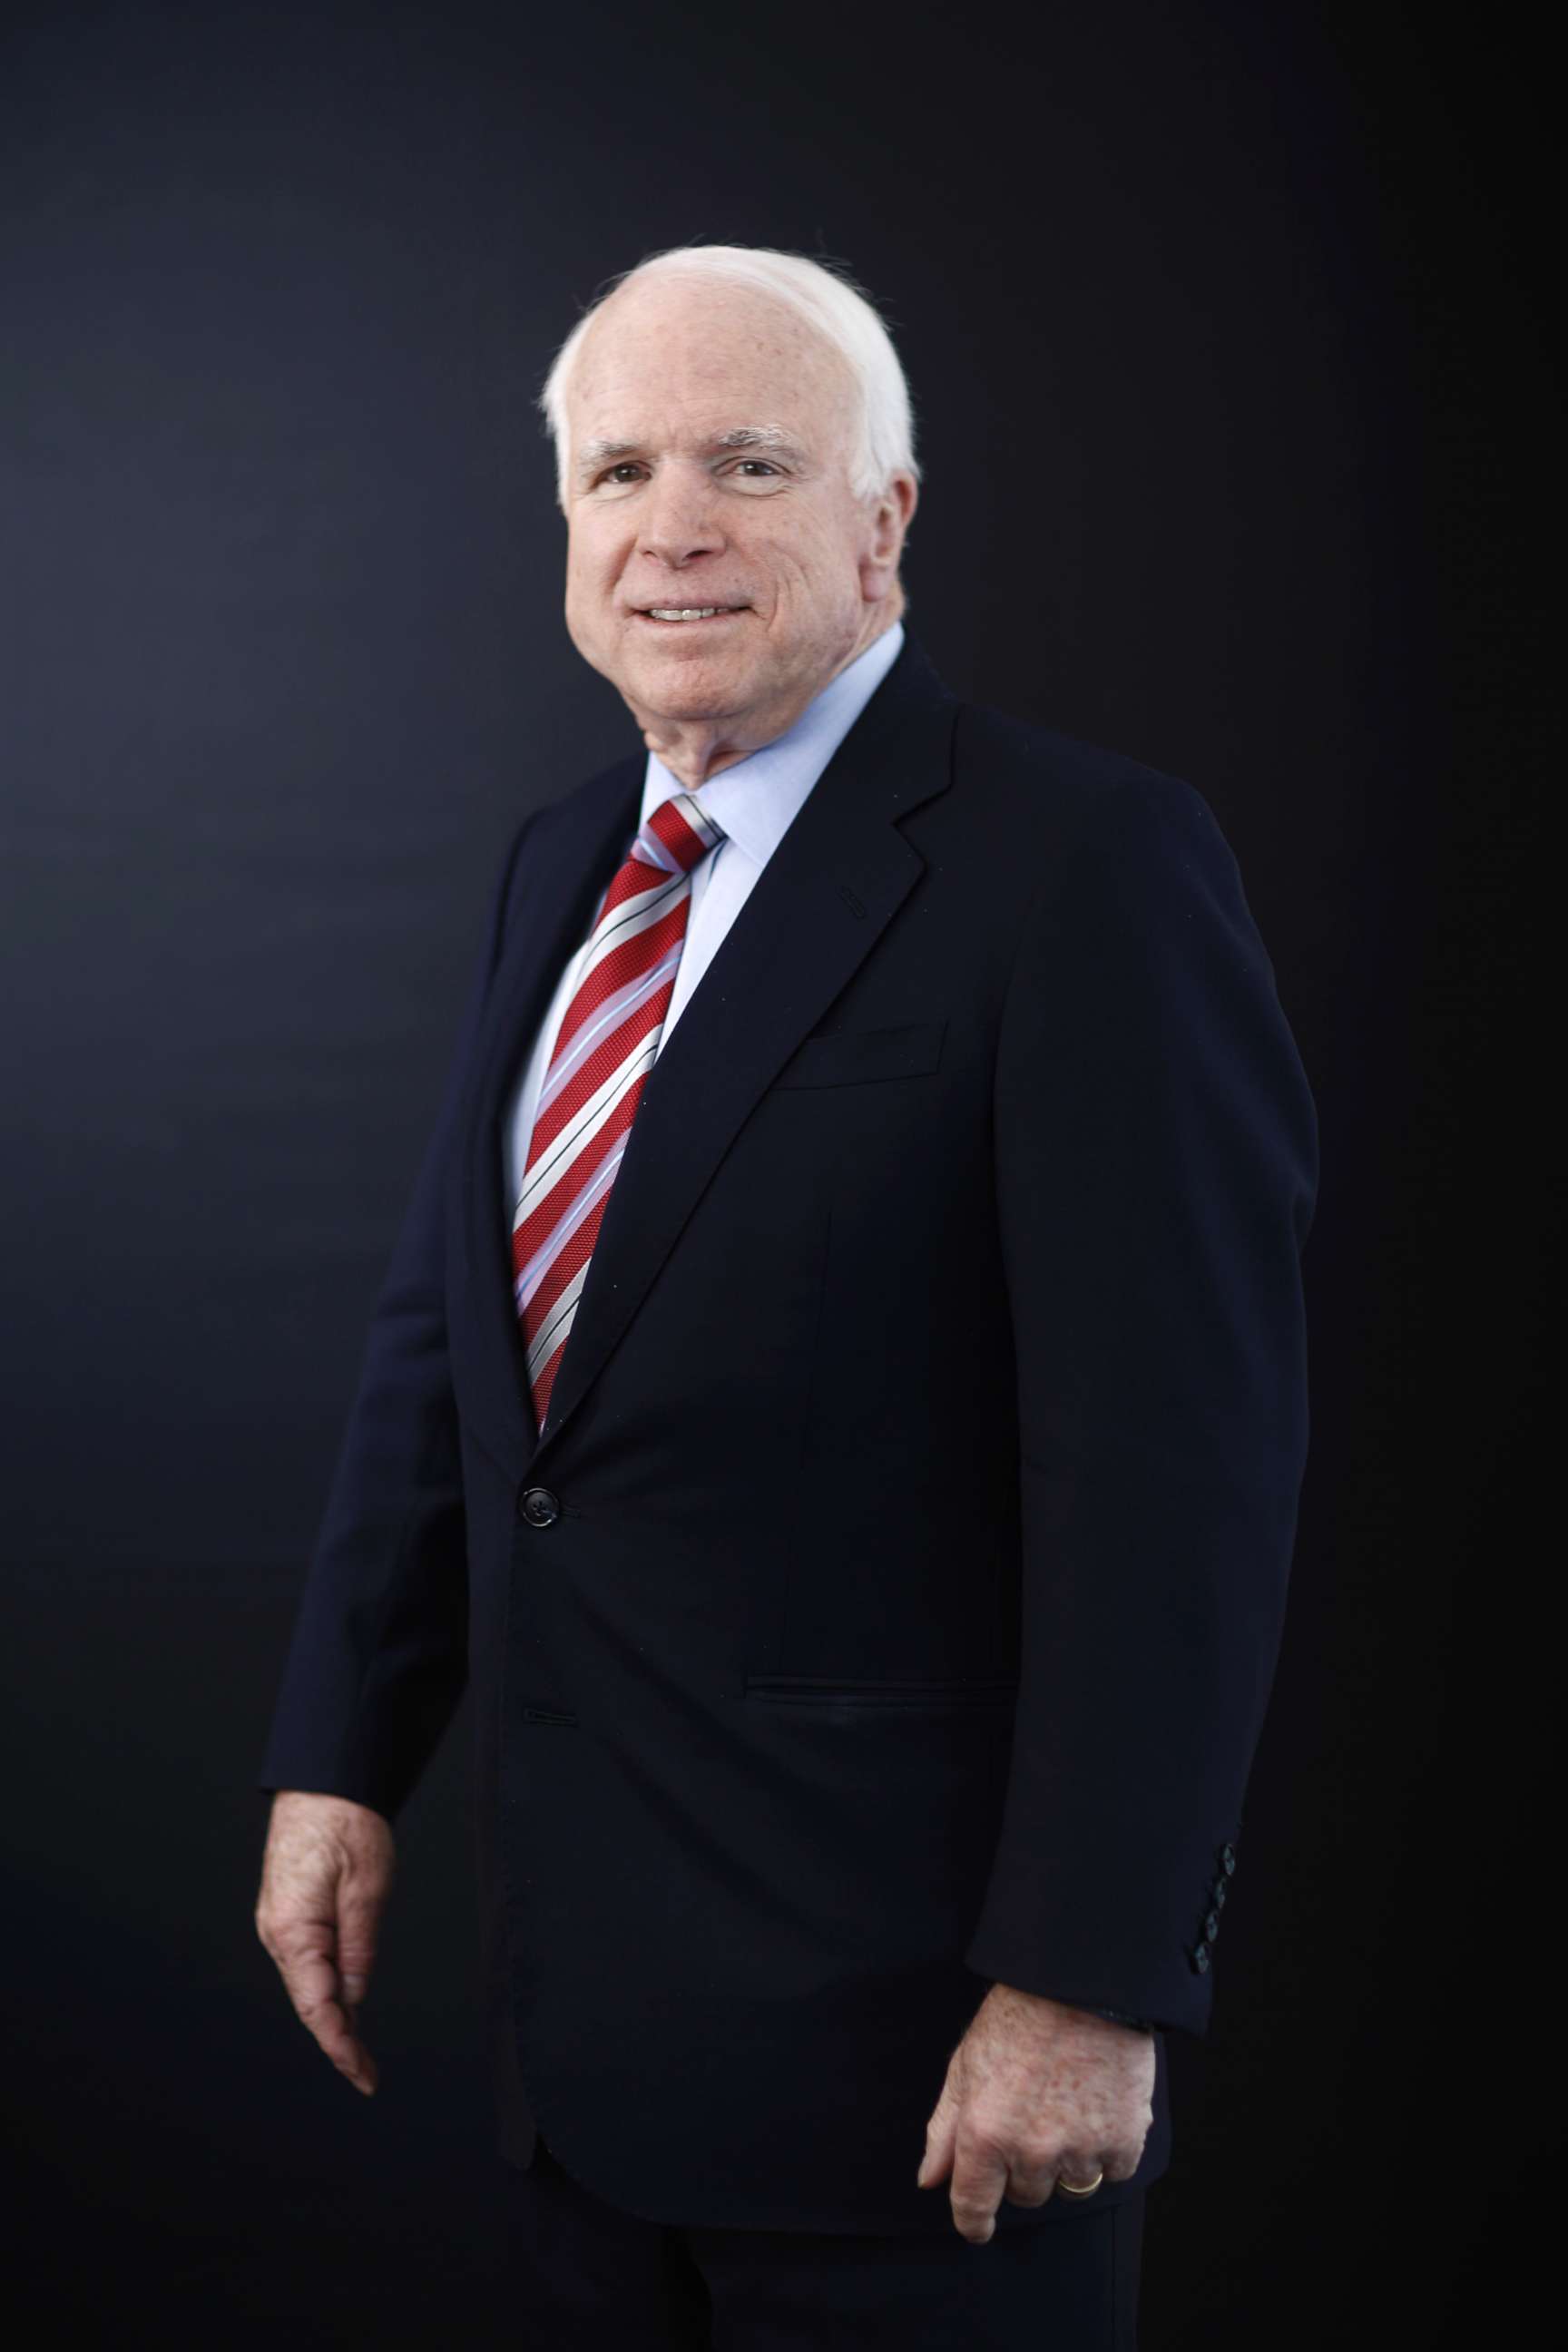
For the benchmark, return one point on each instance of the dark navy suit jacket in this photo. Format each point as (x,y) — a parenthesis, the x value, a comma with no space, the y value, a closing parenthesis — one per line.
(892,1602)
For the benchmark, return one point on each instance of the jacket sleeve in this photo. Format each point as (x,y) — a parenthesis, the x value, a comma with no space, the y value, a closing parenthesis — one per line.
(378,1659)
(1156,1169)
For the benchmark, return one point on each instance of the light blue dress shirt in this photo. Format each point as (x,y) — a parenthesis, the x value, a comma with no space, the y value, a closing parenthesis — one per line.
(754,801)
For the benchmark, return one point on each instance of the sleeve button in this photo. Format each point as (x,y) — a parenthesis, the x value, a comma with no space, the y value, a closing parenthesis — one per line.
(1201,1959)
(1227,1857)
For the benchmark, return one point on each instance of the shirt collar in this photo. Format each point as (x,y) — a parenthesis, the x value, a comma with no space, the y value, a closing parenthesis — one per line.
(757,800)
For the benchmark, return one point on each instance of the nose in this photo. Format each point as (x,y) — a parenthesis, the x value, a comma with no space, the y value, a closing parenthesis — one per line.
(679,515)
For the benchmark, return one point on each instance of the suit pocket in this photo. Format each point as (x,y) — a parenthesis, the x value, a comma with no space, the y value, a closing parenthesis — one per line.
(849,1058)
(899,1691)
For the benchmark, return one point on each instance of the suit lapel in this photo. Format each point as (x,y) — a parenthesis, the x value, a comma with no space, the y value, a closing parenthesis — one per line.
(837,879)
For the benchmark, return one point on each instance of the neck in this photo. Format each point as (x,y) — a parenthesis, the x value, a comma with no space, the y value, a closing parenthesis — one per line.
(693,750)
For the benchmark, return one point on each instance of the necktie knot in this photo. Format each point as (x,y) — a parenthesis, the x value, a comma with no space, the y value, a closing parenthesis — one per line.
(678,833)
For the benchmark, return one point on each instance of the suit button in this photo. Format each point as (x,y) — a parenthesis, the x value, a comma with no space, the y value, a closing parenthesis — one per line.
(1211,1925)
(1227,1855)
(1201,1959)
(539,1506)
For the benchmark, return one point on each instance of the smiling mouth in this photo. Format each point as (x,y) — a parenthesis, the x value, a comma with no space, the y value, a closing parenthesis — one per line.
(684,616)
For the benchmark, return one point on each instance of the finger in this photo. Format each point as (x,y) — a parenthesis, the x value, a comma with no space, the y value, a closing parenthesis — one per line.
(359,1912)
(1077,2168)
(1032,2180)
(310,1978)
(359,1923)
(938,2158)
(979,2177)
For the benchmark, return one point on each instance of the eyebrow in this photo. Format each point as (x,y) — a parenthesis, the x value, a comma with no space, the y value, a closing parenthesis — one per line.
(597,453)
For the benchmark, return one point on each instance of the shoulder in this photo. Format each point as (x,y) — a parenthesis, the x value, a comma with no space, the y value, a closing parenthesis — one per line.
(1083,808)
(1039,766)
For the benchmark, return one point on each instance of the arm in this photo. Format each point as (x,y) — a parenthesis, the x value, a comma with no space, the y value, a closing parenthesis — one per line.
(379,1655)
(1156,1170)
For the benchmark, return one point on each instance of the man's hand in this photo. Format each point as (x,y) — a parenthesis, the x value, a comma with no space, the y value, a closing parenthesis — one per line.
(325,1878)
(1035,2089)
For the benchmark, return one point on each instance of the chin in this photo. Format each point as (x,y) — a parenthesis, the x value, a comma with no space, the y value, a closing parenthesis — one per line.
(694,685)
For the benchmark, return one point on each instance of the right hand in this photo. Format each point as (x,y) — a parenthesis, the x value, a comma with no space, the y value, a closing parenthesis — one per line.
(325,1876)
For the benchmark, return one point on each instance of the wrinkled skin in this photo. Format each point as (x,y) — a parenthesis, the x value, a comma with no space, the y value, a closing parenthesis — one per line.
(664,368)
(326,1873)
(1035,2091)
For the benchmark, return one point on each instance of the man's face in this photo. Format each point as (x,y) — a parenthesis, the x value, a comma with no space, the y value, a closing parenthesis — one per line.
(667,517)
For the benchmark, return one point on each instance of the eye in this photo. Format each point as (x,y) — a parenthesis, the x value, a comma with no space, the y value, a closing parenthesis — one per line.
(625,467)
(764,462)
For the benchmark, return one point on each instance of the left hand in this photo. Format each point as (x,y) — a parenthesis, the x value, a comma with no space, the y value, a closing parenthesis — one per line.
(1036,2089)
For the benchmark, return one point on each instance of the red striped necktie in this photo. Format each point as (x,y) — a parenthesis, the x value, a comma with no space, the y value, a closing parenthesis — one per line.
(607,1043)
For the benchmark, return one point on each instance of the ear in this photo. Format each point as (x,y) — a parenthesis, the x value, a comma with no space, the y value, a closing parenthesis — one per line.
(888,517)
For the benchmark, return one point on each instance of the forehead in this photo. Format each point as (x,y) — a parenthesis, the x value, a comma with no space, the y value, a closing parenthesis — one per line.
(692,361)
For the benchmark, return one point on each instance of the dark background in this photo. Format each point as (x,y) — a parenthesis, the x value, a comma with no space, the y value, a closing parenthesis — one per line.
(1226,338)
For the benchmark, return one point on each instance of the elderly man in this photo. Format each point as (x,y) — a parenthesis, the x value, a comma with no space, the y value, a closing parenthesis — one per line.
(839,1400)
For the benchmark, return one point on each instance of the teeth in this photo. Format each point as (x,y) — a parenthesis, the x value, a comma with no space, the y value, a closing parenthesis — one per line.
(690,613)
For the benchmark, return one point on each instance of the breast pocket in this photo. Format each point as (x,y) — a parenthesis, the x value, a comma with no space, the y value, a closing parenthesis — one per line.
(851,1058)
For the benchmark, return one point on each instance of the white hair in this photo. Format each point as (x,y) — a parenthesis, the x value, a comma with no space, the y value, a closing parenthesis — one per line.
(827,299)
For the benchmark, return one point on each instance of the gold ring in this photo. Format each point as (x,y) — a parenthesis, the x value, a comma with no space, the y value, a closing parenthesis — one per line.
(1068,2189)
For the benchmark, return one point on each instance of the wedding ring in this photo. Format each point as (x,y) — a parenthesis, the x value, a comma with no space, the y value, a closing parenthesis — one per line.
(1083,2188)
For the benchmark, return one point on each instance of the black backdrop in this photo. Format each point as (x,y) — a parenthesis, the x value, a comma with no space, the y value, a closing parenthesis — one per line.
(1226,351)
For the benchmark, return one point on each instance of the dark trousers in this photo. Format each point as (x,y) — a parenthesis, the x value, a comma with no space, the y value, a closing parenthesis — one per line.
(589,2277)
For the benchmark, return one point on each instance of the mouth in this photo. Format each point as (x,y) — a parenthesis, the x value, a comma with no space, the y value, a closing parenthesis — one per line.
(689,616)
